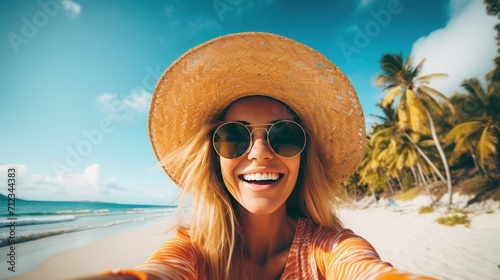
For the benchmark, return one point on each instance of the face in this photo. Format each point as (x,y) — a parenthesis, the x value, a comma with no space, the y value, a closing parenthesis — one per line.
(241,175)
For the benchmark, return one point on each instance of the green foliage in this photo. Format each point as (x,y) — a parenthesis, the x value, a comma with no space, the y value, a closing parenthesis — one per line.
(467,123)
(407,195)
(475,131)
(492,7)
(459,218)
(425,209)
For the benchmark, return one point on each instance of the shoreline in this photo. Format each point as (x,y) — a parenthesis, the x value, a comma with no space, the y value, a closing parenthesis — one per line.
(127,246)
(411,242)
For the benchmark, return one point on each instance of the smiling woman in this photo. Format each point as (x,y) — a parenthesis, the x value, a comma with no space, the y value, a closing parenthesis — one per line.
(261,131)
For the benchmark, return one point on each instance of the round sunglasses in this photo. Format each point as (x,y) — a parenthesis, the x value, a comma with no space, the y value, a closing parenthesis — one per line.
(233,139)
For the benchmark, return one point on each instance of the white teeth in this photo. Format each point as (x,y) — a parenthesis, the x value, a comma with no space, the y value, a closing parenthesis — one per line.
(261,176)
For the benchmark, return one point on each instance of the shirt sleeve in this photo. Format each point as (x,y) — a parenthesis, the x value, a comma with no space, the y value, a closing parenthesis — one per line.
(348,256)
(175,259)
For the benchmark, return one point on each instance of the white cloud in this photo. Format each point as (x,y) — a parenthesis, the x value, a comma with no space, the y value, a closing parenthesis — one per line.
(88,179)
(138,100)
(127,107)
(71,7)
(463,49)
(76,186)
(85,185)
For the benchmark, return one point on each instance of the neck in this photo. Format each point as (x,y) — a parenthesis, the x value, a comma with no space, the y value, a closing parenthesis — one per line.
(268,235)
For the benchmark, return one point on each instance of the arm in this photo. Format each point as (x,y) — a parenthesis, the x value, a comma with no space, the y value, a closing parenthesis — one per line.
(348,256)
(175,259)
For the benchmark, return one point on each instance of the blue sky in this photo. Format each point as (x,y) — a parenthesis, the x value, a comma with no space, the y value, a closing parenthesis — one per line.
(78,74)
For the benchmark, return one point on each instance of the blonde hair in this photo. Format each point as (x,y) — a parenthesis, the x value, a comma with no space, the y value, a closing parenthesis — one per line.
(214,227)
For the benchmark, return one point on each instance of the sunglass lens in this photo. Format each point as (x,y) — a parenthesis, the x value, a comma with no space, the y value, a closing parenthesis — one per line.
(287,139)
(231,140)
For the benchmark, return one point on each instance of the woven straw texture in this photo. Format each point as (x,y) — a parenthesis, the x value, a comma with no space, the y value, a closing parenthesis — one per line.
(207,78)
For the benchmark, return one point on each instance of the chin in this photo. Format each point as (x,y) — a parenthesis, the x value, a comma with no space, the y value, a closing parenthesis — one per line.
(259,209)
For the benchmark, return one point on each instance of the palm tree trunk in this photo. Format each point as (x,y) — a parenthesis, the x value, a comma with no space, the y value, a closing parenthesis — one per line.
(428,178)
(434,178)
(482,170)
(400,183)
(412,168)
(474,159)
(426,158)
(443,158)
(389,183)
(419,167)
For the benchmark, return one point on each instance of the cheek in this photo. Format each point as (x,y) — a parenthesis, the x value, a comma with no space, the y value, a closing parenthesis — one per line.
(294,167)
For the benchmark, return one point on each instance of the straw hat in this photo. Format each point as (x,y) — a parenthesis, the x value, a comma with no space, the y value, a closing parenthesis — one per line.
(207,78)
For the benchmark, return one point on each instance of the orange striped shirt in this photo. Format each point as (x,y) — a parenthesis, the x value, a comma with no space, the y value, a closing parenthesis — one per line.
(316,253)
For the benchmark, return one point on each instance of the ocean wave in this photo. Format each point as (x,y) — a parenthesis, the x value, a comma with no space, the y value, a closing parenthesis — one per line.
(103,211)
(37,221)
(149,210)
(24,237)
(80,212)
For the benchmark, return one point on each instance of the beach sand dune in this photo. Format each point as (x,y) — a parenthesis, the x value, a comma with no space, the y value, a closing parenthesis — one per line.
(409,241)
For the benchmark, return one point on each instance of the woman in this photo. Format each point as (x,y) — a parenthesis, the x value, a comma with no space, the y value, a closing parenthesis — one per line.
(261,131)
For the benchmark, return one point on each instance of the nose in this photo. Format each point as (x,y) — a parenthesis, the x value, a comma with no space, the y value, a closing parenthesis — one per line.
(260,150)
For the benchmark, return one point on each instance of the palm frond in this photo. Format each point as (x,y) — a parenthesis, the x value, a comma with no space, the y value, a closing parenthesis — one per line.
(380,133)
(486,147)
(461,147)
(436,94)
(463,130)
(427,143)
(419,65)
(473,87)
(430,103)
(425,78)
(389,98)
(415,109)
(387,82)
(402,113)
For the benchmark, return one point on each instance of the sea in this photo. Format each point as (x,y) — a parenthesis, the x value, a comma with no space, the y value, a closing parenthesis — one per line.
(32,220)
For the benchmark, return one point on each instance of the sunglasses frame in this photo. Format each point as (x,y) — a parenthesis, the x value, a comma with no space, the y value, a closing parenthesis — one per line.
(250,132)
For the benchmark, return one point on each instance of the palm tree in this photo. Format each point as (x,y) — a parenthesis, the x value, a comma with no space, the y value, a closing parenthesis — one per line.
(477,131)
(392,153)
(416,103)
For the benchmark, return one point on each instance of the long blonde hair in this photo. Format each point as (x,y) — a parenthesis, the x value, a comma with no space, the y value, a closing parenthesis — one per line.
(214,227)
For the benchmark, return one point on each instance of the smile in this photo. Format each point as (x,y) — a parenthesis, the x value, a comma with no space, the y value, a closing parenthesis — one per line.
(261,178)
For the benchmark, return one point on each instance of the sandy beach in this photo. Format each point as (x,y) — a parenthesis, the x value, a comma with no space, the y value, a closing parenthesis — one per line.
(410,241)
(417,243)
(122,249)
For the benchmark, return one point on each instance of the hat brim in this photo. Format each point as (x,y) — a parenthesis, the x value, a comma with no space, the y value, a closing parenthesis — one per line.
(206,79)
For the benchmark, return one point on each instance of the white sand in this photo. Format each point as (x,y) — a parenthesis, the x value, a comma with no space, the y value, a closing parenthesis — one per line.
(410,241)
(125,249)
(416,243)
